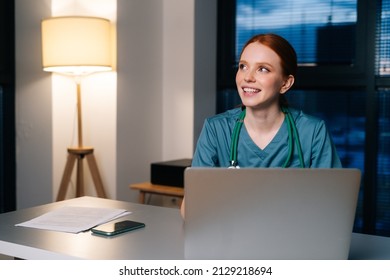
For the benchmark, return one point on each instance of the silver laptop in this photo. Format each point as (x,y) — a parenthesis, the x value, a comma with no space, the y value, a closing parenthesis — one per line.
(270,213)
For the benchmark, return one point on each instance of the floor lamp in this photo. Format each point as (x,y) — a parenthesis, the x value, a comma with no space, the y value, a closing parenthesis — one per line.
(77,46)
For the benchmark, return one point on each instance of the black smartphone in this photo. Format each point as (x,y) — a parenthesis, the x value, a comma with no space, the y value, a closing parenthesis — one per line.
(114,228)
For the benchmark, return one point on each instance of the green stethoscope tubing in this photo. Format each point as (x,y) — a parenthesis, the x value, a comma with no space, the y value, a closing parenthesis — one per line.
(292,133)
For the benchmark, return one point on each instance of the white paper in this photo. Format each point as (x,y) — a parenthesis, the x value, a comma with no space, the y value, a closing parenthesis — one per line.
(74,219)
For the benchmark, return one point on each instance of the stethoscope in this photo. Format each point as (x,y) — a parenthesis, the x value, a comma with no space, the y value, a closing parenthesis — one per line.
(292,133)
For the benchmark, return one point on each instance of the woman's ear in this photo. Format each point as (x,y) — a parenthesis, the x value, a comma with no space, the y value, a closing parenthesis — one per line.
(288,83)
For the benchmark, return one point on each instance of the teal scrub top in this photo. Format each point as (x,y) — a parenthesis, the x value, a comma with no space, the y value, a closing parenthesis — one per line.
(213,147)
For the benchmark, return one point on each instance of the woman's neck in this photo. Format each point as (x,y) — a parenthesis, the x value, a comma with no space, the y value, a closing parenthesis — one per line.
(263,125)
(264,120)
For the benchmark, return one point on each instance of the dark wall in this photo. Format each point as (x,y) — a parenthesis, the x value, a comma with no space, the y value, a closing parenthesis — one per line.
(7,107)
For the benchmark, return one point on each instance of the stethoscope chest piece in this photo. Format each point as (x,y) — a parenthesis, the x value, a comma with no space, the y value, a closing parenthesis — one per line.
(234,165)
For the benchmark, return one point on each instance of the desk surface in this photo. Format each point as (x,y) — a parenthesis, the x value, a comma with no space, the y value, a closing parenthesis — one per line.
(162,238)
(369,247)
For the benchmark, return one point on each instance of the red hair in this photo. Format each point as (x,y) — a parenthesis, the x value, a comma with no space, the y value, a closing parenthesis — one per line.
(281,47)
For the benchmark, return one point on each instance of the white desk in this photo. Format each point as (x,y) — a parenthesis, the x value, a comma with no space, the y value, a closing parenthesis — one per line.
(369,247)
(162,238)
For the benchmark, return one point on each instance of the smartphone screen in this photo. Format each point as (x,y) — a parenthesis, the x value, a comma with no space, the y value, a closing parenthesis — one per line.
(115,228)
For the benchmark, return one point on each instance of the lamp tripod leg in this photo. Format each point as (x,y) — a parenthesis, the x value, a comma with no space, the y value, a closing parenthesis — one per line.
(95,175)
(79,177)
(66,177)
(79,154)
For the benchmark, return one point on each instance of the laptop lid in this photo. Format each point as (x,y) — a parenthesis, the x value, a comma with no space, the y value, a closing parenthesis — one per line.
(271,213)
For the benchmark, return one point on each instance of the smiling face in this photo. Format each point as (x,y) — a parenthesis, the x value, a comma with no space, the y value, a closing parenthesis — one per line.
(259,78)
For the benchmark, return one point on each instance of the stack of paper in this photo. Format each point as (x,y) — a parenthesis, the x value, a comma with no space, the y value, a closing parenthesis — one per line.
(74,219)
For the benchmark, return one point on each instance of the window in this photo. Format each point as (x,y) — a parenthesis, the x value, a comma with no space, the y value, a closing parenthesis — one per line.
(343,49)
(344,114)
(321,32)
(382,222)
(383,40)
(382,69)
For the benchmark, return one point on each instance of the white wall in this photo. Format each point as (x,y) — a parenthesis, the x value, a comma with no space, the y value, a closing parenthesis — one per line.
(34,171)
(178,78)
(140,83)
(157,66)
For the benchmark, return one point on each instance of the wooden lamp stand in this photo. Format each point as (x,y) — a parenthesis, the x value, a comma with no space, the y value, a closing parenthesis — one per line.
(79,153)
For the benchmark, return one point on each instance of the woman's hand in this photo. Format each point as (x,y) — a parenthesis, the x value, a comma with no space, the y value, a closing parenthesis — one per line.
(182,209)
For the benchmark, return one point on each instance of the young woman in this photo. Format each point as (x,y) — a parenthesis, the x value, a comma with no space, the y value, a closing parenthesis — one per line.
(271,134)
(264,131)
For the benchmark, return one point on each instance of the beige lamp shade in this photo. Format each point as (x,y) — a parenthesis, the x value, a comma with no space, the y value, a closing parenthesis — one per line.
(76,45)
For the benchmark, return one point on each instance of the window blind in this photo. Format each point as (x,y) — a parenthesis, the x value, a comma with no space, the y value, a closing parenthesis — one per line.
(383,40)
(322,32)
(382,223)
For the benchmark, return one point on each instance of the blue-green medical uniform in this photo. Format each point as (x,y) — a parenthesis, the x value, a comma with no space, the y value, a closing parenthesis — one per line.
(213,147)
